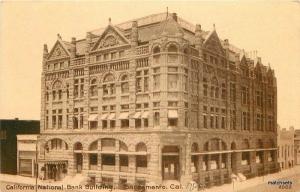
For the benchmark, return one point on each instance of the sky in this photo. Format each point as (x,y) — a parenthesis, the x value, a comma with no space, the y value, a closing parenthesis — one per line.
(270,27)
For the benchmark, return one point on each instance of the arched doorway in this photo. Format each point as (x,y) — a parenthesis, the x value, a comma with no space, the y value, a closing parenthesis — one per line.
(170,163)
(78,157)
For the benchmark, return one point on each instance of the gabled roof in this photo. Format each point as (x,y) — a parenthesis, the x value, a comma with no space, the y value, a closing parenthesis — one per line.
(170,27)
(113,28)
(63,44)
(213,35)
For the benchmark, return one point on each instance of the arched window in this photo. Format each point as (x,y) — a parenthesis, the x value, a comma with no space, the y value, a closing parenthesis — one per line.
(141,147)
(109,85)
(124,84)
(93,88)
(245,144)
(47,94)
(172,48)
(78,146)
(93,146)
(185,51)
(194,147)
(58,144)
(156,50)
(57,91)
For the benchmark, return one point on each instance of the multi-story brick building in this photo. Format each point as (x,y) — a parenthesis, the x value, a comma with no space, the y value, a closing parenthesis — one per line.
(155,99)
(285,143)
(297,147)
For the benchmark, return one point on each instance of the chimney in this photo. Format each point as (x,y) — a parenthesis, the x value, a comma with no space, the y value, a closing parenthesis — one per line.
(174,16)
(226,43)
(198,39)
(88,41)
(134,34)
(45,51)
(73,48)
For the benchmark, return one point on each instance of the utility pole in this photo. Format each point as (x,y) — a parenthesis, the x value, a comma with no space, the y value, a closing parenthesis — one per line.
(36,163)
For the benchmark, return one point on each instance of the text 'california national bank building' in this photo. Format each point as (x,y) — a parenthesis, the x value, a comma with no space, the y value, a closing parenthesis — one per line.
(156,99)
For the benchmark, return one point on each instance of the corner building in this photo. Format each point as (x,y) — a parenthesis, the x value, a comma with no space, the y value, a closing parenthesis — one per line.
(156,99)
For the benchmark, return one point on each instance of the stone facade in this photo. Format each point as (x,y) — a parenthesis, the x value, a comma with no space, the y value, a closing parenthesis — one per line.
(285,144)
(297,147)
(155,99)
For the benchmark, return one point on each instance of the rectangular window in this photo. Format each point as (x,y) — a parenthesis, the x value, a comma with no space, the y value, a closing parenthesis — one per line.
(156,82)
(124,123)
(146,123)
(204,121)
(112,123)
(104,124)
(172,81)
(138,123)
(156,118)
(172,122)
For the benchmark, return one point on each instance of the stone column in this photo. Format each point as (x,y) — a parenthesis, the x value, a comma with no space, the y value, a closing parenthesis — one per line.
(117,156)
(85,161)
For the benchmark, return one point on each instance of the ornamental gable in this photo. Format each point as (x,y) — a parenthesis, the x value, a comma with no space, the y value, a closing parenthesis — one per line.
(213,43)
(111,37)
(58,51)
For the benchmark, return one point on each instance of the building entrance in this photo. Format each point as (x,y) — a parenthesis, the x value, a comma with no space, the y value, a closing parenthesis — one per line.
(170,163)
(78,162)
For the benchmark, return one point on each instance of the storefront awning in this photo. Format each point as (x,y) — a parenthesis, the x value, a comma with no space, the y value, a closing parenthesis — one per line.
(124,115)
(173,114)
(104,116)
(145,114)
(137,115)
(112,116)
(93,117)
(54,162)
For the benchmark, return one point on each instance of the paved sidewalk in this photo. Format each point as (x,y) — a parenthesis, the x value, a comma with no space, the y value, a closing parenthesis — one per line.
(237,186)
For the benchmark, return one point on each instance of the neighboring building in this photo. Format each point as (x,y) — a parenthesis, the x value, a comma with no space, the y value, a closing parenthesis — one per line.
(156,99)
(26,154)
(297,147)
(285,143)
(9,129)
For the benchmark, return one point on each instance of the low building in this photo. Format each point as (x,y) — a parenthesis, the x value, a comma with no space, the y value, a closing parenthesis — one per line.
(26,154)
(285,144)
(9,129)
(297,147)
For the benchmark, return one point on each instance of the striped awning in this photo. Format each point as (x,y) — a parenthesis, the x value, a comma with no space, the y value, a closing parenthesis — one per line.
(137,115)
(93,117)
(112,116)
(172,114)
(55,162)
(145,114)
(104,116)
(124,115)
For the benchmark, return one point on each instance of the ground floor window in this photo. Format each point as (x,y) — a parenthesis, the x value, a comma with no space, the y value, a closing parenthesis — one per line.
(123,160)
(107,181)
(25,167)
(259,157)
(93,158)
(108,159)
(245,158)
(141,161)
(194,167)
